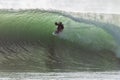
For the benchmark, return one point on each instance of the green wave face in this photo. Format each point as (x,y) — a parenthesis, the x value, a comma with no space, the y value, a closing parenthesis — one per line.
(27,43)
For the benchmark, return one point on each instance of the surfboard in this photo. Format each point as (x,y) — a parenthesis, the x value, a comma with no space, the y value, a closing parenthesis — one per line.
(55,34)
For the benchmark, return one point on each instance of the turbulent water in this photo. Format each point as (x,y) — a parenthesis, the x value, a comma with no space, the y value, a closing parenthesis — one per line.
(27,43)
(60,76)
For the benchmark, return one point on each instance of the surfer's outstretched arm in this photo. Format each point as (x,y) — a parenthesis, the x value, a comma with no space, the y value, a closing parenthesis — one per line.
(56,23)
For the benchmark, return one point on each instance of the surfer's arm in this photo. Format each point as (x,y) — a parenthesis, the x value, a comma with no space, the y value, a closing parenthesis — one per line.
(56,23)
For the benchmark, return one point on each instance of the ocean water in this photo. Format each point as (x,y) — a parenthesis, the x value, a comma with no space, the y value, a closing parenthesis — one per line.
(60,76)
(87,49)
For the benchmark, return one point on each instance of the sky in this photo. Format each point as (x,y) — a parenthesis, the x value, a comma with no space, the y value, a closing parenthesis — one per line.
(99,6)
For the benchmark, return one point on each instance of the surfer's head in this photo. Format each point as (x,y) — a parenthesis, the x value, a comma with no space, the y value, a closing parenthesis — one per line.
(60,22)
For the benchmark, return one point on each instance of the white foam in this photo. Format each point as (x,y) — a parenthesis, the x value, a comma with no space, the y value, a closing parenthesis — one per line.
(94,6)
(60,76)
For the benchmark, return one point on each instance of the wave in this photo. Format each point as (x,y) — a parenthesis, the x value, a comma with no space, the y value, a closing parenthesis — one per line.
(27,43)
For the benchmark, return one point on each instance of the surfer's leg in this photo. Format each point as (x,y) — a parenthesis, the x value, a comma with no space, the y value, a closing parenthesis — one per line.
(61,30)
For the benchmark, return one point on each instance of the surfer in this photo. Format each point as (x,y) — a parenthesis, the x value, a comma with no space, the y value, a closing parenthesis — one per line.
(59,28)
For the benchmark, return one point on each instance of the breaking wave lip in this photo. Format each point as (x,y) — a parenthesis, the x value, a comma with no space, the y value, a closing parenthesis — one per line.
(32,52)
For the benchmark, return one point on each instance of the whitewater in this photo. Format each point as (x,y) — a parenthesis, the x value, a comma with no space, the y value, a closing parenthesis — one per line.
(61,76)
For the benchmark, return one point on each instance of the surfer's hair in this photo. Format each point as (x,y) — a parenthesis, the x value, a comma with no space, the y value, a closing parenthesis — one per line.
(60,22)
